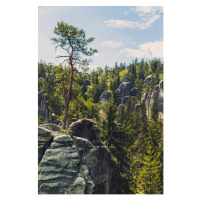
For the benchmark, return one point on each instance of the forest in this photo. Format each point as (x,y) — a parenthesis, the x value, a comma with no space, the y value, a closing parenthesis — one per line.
(134,140)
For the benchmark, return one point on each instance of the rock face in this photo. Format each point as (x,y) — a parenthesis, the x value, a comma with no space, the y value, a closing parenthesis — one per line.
(147,81)
(78,163)
(45,137)
(54,119)
(158,94)
(88,129)
(125,91)
(43,110)
(104,97)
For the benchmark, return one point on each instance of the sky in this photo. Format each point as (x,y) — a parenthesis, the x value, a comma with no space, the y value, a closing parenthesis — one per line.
(121,33)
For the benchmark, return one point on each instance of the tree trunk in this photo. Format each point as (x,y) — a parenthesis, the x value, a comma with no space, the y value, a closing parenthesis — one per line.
(65,124)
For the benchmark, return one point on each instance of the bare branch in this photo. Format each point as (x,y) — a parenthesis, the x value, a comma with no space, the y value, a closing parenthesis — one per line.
(65,49)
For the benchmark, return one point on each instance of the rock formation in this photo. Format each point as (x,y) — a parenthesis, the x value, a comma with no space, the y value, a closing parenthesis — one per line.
(158,94)
(43,110)
(104,97)
(54,119)
(125,91)
(45,137)
(147,81)
(77,163)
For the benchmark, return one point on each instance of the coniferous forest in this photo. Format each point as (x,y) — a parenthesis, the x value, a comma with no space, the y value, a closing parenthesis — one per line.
(73,90)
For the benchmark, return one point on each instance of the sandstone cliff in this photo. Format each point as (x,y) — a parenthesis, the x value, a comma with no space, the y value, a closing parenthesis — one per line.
(126,91)
(76,163)
(158,94)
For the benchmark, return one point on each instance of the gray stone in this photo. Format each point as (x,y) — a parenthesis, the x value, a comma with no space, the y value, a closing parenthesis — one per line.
(104,182)
(44,140)
(78,163)
(161,85)
(147,81)
(60,167)
(158,94)
(104,97)
(54,119)
(137,107)
(125,91)
(78,187)
(43,110)
(126,79)
(51,127)
(134,91)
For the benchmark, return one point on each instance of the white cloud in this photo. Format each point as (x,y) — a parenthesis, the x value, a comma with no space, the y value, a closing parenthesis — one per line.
(112,44)
(131,24)
(143,10)
(148,15)
(146,50)
(149,9)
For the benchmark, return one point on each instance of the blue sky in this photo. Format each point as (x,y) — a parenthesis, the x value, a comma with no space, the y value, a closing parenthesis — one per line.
(121,33)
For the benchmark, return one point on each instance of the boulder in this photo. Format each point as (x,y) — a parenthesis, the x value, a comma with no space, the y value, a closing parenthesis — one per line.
(54,119)
(76,163)
(51,127)
(104,97)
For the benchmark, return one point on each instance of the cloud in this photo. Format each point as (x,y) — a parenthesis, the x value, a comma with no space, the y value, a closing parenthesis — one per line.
(143,10)
(131,24)
(112,44)
(129,40)
(149,9)
(148,50)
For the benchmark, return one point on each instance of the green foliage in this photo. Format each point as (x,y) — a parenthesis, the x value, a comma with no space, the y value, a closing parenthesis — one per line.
(40,120)
(154,110)
(148,180)
(123,74)
(136,143)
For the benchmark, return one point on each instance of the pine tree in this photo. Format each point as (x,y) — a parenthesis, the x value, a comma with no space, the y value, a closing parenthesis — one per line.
(148,178)
(74,42)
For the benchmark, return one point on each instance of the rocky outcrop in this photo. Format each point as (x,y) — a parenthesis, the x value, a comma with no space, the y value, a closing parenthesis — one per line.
(104,97)
(64,169)
(43,110)
(158,94)
(77,163)
(54,119)
(88,129)
(45,137)
(125,91)
(148,80)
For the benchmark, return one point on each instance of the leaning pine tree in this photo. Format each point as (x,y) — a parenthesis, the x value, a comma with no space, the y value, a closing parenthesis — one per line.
(74,42)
